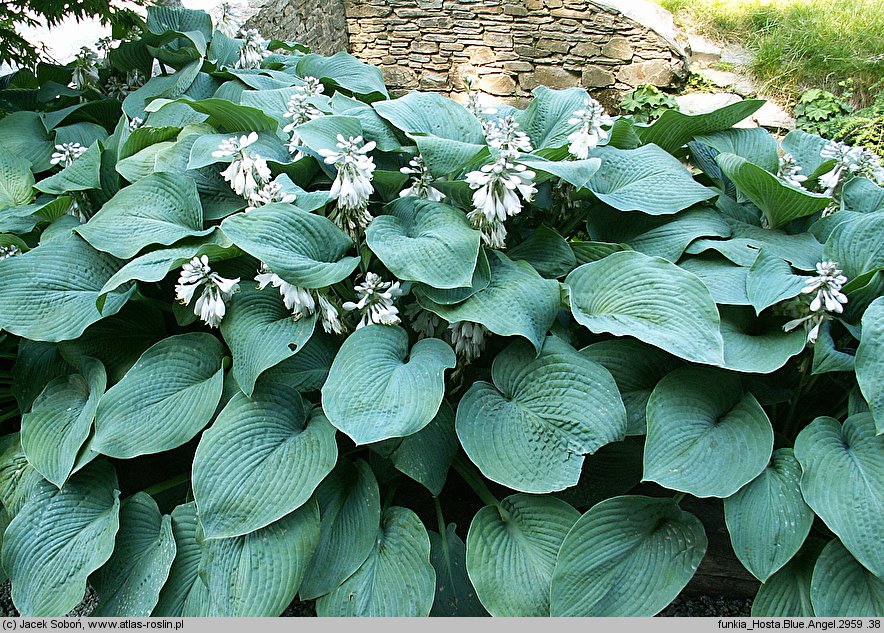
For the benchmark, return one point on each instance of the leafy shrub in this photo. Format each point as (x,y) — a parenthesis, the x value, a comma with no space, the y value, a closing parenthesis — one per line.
(830,116)
(816,108)
(259,310)
(647,103)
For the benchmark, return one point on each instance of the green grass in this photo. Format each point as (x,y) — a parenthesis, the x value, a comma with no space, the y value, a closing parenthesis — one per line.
(797,44)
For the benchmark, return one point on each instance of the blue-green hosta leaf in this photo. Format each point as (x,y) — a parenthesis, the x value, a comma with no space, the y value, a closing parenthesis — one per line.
(767,519)
(530,430)
(167,397)
(446,297)
(517,301)
(431,114)
(345,71)
(58,538)
(861,195)
(627,557)
(801,250)
(36,365)
(547,252)
(224,114)
(651,299)
(268,146)
(425,456)
(786,594)
(24,134)
(857,243)
(756,145)
(261,332)
(870,361)
(698,419)
(373,393)
(455,595)
(273,98)
(258,574)
(396,580)
(593,251)
(636,368)
(805,149)
(308,369)
(161,19)
(145,137)
(843,481)
(757,345)
(611,471)
(771,280)
(45,298)
(645,179)
(425,241)
(842,587)
(322,133)
(18,479)
(670,238)
(261,459)
(145,162)
(304,249)
(828,358)
(16,181)
(159,209)
(61,421)
(129,584)
(779,202)
(578,173)
(350,507)
(726,281)
(545,120)
(185,593)
(673,129)
(511,553)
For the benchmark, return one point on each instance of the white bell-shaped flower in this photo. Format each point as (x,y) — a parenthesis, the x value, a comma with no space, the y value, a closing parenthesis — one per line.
(468,339)
(352,185)
(376,298)
(214,290)
(421,181)
(590,133)
(66,153)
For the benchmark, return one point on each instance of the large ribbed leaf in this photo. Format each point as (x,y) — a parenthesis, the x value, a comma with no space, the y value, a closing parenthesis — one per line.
(425,241)
(517,301)
(771,280)
(129,584)
(698,419)
(857,243)
(84,173)
(787,593)
(455,595)
(725,280)
(757,345)
(185,593)
(673,129)
(870,361)
(431,114)
(18,479)
(756,145)
(344,70)
(627,556)
(350,507)
(16,181)
(578,173)
(159,209)
(843,481)
(547,252)
(61,421)
(45,298)
(261,459)
(805,149)
(636,368)
(24,134)
(167,397)
(258,575)
(308,369)
(530,430)
(373,393)
(767,518)
(511,553)
(58,538)
(480,280)
(224,114)
(545,120)
(645,179)
(630,294)
(396,580)
(842,587)
(260,332)
(780,203)
(304,249)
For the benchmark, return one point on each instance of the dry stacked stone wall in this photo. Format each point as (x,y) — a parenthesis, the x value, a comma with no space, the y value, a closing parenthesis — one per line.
(319,24)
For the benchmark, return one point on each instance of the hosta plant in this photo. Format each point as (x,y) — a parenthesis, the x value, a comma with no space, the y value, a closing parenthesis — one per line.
(269,332)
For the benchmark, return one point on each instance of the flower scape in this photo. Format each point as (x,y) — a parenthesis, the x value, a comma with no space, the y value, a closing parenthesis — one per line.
(269,329)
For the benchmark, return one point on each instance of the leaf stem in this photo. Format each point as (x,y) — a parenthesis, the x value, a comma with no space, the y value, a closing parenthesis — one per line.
(390,494)
(168,484)
(677,498)
(474,480)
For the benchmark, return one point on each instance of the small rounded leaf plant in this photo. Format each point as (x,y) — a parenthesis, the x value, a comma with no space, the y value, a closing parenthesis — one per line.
(268,332)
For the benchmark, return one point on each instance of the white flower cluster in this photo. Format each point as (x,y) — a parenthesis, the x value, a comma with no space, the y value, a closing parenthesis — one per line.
(300,111)
(849,160)
(352,186)
(85,73)
(468,339)
(248,173)
(135,123)
(590,133)
(228,22)
(9,251)
(421,181)
(476,109)
(209,306)
(423,322)
(828,299)
(496,199)
(119,89)
(66,153)
(270,192)
(376,298)
(253,51)
(788,171)
(302,301)
(505,136)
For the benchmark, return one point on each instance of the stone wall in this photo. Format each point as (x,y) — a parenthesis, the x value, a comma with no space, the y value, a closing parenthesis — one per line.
(514,45)
(319,24)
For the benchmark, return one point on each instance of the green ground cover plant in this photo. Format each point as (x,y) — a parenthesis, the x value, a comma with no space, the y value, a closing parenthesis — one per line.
(260,319)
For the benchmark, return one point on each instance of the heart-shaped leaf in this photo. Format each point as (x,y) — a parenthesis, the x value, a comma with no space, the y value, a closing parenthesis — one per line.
(842,587)
(184,594)
(261,459)
(786,594)
(627,557)
(374,393)
(425,456)
(870,361)
(530,430)
(455,595)
(757,345)
(698,419)
(16,181)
